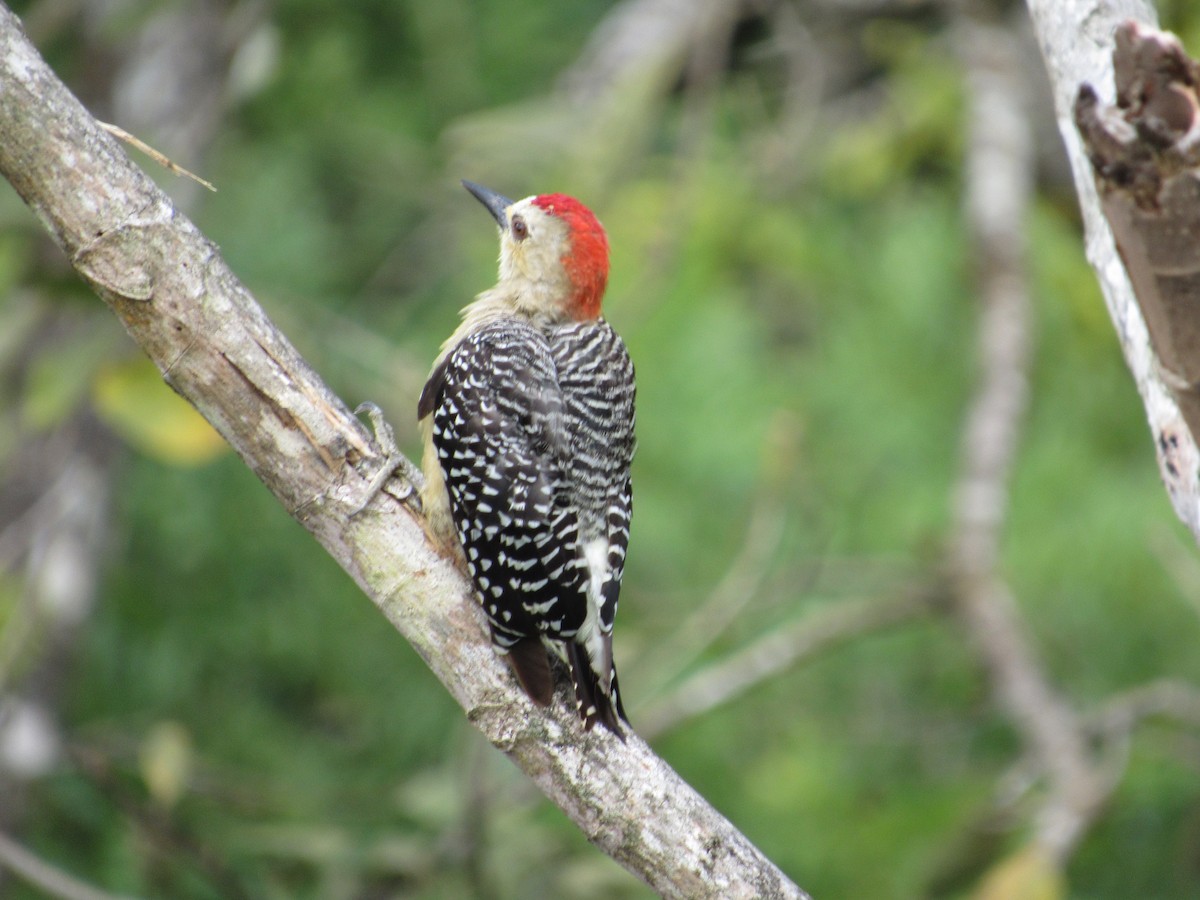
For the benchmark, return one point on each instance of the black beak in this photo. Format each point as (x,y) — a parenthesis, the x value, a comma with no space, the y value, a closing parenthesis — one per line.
(496,203)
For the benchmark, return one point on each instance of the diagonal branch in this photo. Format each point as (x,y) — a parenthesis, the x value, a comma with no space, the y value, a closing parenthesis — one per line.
(215,346)
(736,589)
(41,874)
(778,651)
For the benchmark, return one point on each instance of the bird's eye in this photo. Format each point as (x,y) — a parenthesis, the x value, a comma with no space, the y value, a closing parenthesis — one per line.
(520,230)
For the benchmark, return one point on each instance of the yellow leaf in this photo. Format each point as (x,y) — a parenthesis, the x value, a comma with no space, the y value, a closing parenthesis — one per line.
(165,761)
(1028,874)
(133,400)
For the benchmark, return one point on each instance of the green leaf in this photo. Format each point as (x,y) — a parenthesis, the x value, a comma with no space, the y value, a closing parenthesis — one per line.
(60,376)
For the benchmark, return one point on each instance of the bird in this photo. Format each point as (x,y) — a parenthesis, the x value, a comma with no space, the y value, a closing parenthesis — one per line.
(528,426)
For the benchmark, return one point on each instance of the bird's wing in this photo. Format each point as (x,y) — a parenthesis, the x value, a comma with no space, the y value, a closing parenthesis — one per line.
(499,431)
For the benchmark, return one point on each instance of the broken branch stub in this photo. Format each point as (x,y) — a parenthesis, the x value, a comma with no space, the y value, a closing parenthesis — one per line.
(1145,152)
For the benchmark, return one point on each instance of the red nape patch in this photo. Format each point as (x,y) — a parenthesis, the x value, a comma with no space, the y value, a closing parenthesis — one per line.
(587,261)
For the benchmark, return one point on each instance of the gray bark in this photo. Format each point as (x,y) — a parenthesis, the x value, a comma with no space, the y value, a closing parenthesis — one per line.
(1077,39)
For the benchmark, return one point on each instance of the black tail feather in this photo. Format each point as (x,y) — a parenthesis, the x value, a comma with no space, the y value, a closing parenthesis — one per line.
(617,698)
(532,665)
(593,703)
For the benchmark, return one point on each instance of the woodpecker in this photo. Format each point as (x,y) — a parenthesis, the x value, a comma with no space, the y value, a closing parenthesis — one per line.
(528,422)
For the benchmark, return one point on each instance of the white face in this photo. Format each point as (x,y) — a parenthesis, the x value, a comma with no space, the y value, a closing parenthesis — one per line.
(531,253)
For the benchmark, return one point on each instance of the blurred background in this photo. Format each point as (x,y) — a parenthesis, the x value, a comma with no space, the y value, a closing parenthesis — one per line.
(195,702)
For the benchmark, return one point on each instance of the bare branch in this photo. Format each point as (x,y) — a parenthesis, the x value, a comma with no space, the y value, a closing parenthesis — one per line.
(776,652)
(215,346)
(1177,701)
(39,873)
(737,588)
(1115,722)
(999,184)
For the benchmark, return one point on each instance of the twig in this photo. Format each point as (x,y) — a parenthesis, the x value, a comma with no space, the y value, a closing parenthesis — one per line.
(39,873)
(737,588)
(645,36)
(1179,561)
(1167,698)
(331,847)
(160,158)
(776,652)
(1114,723)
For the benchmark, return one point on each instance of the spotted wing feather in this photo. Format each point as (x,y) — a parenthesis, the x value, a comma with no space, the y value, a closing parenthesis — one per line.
(500,436)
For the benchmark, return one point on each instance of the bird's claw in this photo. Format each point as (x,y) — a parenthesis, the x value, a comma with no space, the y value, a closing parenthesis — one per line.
(394,462)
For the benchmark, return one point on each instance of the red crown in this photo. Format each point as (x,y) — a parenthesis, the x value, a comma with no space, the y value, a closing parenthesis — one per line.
(586,261)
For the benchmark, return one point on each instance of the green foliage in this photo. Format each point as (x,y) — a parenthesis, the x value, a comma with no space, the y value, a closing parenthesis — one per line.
(804,333)
(61,376)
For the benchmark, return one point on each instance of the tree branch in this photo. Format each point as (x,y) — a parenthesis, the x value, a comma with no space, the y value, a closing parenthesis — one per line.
(39,873)
(216,347)
(999,184)
(782,648)
(711,617)
(1143,150)
(1077,39)
(1174,700)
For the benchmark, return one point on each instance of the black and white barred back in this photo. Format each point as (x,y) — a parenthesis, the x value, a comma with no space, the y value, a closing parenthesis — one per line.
(534,431)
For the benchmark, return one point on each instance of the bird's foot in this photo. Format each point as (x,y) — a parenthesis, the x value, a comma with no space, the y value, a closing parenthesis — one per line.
(395,463)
